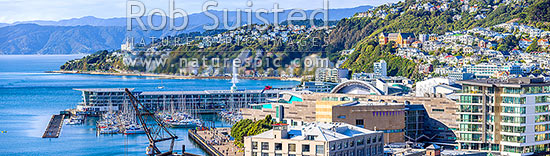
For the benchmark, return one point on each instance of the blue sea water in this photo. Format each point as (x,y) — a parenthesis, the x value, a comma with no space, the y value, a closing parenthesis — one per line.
(29,96)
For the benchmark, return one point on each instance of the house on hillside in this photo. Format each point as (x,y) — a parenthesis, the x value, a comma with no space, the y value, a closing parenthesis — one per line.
(400,39)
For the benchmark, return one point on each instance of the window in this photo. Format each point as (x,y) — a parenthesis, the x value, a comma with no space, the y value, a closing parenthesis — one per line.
(540,109)
(340,146)
(516,110)
(541,128)
(541,137)
(541,118)
(278,146)
(359,122)
(513,100)
(341,117)
(512,91)
(532,90)
(305,148)
(351,143)
(254,145)
(541,99)
(360,142)
(278,154)
(254,153)
(265,154)
(512,119)
(470,137)
(470,99)
(438,110)
(292,147)
(514,129)
(516,139)
(319,149)
(265,146)
(470,127)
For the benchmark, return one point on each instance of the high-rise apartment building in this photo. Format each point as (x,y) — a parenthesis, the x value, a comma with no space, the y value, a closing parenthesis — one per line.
(507,116)
(381,68)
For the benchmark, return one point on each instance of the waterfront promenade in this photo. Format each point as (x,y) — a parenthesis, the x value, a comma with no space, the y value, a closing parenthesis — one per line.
(216,141)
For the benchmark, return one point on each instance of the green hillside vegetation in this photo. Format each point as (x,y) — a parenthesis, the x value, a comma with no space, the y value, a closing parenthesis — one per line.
(369,52)
(300,46)
(247,127)
(99,61)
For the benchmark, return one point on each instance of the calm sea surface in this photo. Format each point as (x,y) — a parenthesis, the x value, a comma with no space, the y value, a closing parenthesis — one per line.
(28,98)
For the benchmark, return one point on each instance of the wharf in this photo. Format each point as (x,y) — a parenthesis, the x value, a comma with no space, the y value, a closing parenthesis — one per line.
(216,142)
(54,127)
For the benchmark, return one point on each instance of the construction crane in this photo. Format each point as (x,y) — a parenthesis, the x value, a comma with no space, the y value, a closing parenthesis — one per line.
(156,131)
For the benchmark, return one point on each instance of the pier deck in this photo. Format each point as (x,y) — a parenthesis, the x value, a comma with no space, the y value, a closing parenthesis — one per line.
(54,127)
(215,142)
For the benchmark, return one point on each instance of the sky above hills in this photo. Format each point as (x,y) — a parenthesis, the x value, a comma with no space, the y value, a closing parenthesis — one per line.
(28,10)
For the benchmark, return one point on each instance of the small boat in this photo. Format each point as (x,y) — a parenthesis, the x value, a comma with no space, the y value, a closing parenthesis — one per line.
(133,129)
(72,121)
(182,124)
(108,130)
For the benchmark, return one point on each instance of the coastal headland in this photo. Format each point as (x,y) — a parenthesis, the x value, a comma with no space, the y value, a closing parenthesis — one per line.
(168,76)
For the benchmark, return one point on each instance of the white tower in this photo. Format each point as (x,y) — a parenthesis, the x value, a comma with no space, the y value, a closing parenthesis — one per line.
(235,78)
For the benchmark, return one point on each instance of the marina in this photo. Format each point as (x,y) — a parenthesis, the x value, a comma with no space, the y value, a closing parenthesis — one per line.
(30,98)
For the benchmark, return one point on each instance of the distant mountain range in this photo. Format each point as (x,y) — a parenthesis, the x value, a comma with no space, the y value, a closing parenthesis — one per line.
(89,34)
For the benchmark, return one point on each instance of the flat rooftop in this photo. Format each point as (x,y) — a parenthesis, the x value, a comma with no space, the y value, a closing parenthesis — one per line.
(371,103)
(320,131)
(207,92)
(514,82)
(103,89)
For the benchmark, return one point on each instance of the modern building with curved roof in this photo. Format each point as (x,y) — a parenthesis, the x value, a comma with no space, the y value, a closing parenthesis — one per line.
(356,87)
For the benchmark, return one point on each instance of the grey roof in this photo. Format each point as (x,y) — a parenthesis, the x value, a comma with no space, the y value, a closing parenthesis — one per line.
(103,89)
(321,131)
(178,92)
(369,103)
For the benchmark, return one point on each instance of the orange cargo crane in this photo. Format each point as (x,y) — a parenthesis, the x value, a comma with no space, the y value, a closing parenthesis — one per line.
(156,130)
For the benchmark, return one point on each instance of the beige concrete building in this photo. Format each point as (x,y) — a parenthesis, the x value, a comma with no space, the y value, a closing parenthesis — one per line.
(321,139)
(439,121)
(386,117)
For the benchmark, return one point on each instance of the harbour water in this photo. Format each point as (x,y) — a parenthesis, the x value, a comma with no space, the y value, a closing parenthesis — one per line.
(28,98)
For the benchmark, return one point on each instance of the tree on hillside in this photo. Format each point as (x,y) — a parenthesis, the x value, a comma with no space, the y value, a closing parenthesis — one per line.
(540,11)
(533,47)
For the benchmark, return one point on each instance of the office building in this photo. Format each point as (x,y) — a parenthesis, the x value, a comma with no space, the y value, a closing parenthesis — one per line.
(489,70)
(436,119)
(327,75)
(97,100)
